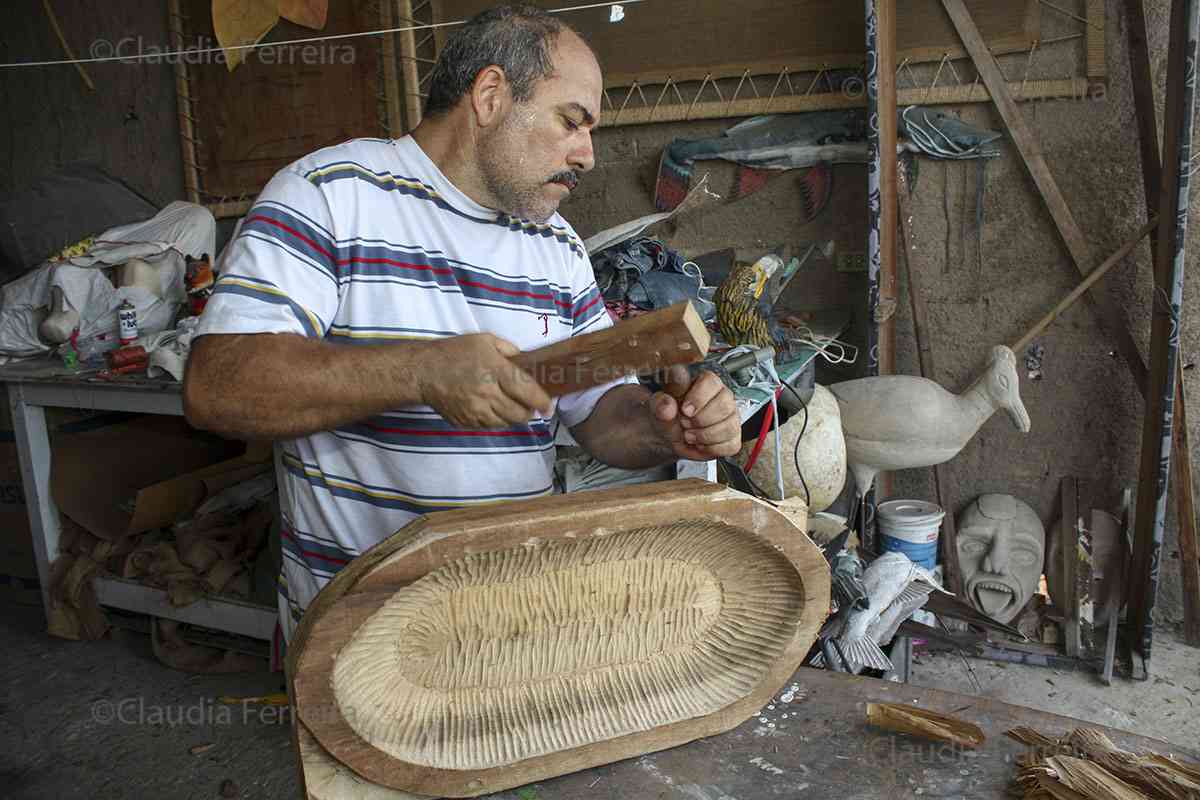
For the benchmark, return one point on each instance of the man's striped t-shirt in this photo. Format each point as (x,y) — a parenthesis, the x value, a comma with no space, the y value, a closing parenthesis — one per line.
(366,243)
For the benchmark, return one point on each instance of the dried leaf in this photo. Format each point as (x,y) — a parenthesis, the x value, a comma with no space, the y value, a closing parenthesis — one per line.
(242,22)
(928,724)
(309,13)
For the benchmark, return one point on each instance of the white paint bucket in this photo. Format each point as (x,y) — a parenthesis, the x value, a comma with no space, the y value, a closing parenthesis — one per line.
(911,527)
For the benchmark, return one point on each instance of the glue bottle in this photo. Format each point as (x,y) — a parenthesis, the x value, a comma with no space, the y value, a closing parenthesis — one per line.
(127,321)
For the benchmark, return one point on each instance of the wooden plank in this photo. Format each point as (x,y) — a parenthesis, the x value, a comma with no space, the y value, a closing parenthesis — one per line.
(948,540)
(1142,84)
(1116,597)
(641,345)
(1111,317)
(619,114)
(1068,544)
(1097,66)
(408,65)
(1184,488)
(1182,485)
(1157,431)
(1084,588)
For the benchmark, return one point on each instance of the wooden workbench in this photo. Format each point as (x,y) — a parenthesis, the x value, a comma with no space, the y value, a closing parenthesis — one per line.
(824,749)
(38,384)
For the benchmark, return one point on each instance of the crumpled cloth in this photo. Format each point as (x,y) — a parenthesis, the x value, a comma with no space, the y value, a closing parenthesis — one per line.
(179,230)
(644,274)
(168,350)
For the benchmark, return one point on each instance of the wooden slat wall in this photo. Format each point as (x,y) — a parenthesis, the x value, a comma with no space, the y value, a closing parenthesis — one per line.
(689,39)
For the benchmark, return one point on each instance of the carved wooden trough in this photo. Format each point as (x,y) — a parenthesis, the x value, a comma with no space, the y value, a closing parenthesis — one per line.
(482,649)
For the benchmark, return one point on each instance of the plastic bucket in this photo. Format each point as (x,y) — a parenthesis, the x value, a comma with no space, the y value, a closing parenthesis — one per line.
(911,527)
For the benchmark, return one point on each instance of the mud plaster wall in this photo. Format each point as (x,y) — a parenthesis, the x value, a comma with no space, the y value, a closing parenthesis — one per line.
(1086,412)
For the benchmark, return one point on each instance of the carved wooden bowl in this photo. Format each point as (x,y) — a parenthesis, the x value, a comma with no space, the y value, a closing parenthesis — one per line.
(484,649)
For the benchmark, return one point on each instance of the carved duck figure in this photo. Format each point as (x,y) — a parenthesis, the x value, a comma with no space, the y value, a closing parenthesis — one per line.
(903,421)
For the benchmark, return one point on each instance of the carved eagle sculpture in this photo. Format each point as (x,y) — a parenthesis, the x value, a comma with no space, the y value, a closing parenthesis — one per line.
(746,298)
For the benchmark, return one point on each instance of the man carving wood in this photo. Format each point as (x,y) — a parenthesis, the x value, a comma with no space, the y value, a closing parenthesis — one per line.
(370,304)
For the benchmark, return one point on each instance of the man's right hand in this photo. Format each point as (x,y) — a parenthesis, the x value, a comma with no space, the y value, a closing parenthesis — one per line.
(472,384)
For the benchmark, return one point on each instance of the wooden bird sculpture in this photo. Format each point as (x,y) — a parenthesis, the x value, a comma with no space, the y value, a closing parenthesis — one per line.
(903,421)
(745,299)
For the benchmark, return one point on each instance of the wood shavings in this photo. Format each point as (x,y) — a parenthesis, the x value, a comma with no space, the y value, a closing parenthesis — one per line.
(927,724)
(1087,764)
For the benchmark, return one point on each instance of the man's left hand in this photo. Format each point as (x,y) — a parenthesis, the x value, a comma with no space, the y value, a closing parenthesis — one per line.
(704,424)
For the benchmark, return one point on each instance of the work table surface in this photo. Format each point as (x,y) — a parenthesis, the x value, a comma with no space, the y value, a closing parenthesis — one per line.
(823,748)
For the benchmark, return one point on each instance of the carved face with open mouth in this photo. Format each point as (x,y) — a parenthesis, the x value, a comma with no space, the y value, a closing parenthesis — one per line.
(1001,548)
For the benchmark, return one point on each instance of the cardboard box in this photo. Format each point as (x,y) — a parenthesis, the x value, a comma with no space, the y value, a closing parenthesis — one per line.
(129,478)
(176,499)
(108,475)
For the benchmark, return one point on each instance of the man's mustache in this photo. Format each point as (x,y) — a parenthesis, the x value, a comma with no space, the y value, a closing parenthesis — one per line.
(568,178)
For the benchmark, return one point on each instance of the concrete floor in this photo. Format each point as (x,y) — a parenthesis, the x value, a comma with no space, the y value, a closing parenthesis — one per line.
(104,719)
(1166,707)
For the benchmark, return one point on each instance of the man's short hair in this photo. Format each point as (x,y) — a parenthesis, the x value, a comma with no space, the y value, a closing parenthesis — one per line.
(517,38)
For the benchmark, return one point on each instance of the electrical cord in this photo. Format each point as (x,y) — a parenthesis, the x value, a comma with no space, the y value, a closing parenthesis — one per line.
(833,350)
(796,449)
(736,469)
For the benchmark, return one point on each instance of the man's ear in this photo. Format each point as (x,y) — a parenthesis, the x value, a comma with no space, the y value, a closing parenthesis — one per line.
(491,96)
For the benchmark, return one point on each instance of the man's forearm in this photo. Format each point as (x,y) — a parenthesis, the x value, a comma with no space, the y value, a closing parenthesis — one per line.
(277,386)
(621,431)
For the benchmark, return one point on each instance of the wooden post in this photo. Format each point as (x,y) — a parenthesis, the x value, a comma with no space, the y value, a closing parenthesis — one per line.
(408,64)
(1157,432)
(1142,82)
(183,102)
(391,74)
